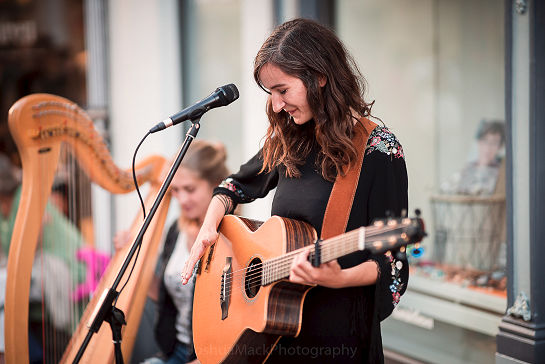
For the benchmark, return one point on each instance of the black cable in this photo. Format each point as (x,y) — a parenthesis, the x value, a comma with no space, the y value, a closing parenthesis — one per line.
(143,210)
(130,273)
(134,173)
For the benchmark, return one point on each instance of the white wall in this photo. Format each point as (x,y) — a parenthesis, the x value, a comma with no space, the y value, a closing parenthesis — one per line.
(145,84)
(145,77)
(255,30)
(223,39)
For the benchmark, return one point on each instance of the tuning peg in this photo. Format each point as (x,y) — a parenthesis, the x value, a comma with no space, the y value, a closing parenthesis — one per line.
(417,250)
(378,223)
(420,222)
(400,254)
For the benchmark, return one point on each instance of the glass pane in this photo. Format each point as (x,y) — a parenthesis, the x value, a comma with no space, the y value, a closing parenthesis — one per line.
(436,71)
(211,57)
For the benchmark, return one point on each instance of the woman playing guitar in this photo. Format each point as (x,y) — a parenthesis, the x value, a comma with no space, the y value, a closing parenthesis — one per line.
(315,107)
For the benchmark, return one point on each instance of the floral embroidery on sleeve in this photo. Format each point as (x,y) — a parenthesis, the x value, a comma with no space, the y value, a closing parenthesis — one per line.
(396,285)
(230,185)
(385,141)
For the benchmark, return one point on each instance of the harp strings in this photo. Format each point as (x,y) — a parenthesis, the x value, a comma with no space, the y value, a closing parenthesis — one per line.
(65,256)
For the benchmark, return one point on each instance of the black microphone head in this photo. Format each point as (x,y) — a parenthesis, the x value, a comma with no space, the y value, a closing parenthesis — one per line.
(227,94)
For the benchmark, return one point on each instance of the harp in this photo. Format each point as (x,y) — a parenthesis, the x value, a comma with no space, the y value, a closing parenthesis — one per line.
(42,125)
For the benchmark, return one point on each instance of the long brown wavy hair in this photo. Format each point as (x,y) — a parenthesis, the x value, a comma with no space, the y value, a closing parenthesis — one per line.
(310,51)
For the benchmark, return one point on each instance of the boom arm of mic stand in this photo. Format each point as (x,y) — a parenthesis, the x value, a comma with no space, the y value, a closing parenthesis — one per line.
(104,312)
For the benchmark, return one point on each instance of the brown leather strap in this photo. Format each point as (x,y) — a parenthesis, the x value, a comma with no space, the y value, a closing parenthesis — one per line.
(342,195)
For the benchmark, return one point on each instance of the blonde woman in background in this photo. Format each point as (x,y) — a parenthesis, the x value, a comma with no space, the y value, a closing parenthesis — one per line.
(202,169)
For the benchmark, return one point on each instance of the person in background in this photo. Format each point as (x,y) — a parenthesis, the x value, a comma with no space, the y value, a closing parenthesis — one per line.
(480,176)
(202,169)
(314,106)
(55,269)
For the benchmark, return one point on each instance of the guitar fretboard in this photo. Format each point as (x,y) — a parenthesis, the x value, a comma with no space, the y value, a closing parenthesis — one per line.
(278,268)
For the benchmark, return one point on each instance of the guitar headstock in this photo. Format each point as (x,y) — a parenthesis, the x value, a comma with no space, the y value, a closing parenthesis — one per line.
(396,234)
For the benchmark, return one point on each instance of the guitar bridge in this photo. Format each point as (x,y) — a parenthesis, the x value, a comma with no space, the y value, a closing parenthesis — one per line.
(226,284)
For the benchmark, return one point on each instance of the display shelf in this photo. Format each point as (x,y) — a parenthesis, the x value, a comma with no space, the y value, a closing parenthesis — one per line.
(477,297)
(466,307)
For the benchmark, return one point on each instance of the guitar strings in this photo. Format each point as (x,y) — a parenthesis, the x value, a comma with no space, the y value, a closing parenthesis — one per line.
(326,243)
(256,281)
(282,270)
(279,271)
(275,268)
(281,264)
(283,260)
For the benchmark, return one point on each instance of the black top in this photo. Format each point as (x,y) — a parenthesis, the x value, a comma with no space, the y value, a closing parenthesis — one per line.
(339,325)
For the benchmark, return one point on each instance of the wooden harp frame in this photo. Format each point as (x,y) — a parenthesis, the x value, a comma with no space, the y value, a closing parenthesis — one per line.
(39,124)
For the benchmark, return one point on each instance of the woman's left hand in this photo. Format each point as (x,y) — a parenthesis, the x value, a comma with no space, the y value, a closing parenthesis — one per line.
(328,274)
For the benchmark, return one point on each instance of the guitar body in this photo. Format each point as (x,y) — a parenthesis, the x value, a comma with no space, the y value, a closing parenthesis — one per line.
(246,327)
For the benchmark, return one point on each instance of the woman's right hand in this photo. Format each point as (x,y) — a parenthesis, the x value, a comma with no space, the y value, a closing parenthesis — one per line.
(206,237)
(208,234)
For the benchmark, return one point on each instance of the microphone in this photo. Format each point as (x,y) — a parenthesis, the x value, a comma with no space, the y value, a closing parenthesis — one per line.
(223,95)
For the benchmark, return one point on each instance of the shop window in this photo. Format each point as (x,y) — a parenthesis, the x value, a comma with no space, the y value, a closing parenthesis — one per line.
(436,71)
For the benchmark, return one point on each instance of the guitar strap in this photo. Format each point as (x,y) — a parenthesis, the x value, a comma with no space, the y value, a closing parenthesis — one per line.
(340,201)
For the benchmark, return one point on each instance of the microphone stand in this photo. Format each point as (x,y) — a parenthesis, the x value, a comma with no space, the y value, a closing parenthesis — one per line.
(107,311)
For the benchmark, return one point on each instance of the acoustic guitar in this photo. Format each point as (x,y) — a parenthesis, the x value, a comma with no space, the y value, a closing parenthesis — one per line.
(243,301)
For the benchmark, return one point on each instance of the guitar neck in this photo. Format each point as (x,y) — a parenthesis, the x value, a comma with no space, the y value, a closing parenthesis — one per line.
(379,237)
(278,268)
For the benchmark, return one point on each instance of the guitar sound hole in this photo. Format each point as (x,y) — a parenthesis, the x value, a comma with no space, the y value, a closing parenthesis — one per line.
(252,280)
